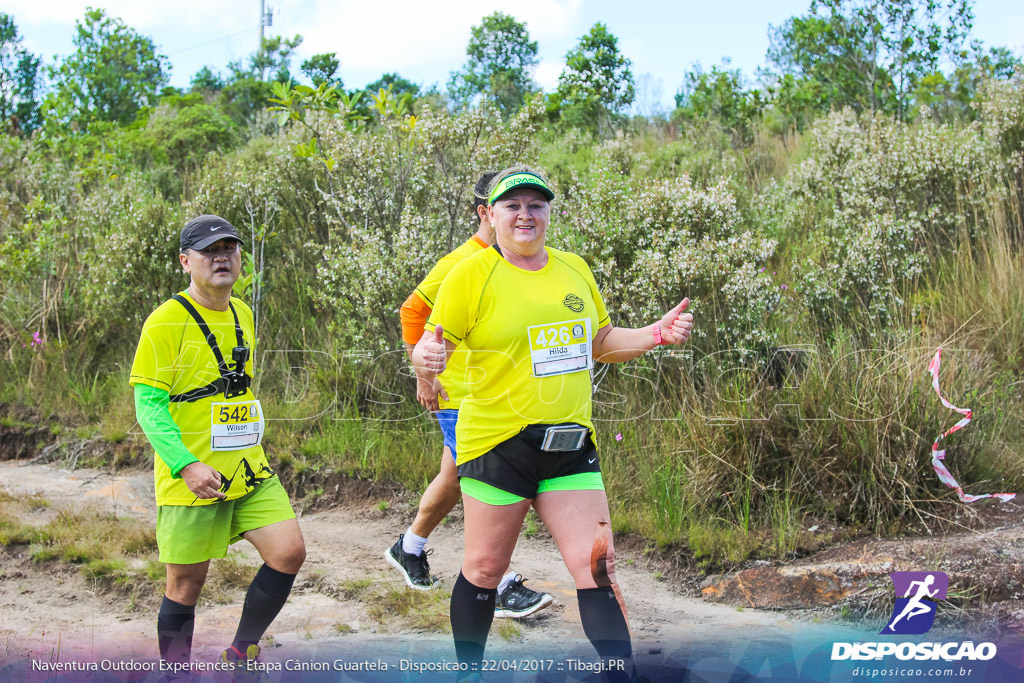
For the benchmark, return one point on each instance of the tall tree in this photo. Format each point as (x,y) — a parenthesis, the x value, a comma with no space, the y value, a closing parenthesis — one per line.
(113,72)
(399,86)
(322,68)
(719,96)
(872,54)
(205,80)
(19,80)
(245,91)
(501,60)
(597,82)
(273,61)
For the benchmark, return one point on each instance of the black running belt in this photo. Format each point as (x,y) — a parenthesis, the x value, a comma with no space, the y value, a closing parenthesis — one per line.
(220,384)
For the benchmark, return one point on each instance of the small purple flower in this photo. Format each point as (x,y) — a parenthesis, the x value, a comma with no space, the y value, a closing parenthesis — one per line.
(618,437)
(784,286)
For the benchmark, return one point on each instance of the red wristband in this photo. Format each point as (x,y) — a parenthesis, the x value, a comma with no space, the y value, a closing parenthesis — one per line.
(656,330)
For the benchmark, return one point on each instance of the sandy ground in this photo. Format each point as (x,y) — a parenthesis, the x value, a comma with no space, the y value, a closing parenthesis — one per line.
(58,616)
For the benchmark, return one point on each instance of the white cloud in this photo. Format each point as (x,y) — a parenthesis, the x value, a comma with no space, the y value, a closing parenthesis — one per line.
(1015,27)
(421,41)
(416,37)
(144,16)
(547,73)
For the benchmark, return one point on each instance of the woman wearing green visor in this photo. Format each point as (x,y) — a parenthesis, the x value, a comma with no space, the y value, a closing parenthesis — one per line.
(533,323)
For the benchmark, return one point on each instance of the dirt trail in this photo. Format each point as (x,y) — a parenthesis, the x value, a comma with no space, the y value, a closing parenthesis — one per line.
(59,616)
(42,614)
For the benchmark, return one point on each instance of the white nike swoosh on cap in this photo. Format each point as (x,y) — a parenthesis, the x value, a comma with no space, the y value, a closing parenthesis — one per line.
(214,228)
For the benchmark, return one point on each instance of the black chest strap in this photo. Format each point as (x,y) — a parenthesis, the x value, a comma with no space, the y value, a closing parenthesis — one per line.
(221,384)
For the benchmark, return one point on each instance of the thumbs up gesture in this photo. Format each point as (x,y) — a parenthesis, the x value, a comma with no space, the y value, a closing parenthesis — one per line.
(435,351)
(677,325)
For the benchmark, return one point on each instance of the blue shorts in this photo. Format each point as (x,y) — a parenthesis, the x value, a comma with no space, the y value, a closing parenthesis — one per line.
(447,419)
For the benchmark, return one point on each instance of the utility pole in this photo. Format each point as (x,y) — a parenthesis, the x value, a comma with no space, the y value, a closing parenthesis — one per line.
(266,19)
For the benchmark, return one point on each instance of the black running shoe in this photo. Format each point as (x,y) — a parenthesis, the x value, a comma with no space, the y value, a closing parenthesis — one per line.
(413,567)
(519,601)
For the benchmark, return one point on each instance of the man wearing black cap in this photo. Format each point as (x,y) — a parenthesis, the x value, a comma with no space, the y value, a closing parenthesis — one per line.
(192,374)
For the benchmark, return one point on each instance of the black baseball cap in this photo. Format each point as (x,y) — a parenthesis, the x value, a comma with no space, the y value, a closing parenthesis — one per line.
(202,231)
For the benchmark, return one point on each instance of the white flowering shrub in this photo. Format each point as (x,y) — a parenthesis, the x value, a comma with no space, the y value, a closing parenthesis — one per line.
(1001,107)
(127,257)
(92,275)
(398,198)
(874,206)
(651,242)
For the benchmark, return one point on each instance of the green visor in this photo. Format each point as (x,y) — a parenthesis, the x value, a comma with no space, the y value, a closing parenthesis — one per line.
(517,180)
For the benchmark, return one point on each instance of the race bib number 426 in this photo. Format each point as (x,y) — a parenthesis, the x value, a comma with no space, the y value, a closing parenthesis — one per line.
(234,426)
(560,348)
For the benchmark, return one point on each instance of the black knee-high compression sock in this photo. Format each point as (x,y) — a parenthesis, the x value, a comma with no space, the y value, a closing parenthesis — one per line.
(175,624)
(265,598)
(472,611)
(607,630)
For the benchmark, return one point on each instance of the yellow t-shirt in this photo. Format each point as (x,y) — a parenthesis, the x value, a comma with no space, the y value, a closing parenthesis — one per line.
(453,379)
(529,336)
(173,355)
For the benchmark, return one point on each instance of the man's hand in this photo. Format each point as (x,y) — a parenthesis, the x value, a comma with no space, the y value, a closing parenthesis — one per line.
(428,391)
(202,480)
(676,326)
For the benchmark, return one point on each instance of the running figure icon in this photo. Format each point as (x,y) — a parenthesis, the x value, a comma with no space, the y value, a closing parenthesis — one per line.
(917,593)
(914,606)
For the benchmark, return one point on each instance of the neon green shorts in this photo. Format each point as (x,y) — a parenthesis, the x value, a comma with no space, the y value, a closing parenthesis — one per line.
(517,469)
(188,534)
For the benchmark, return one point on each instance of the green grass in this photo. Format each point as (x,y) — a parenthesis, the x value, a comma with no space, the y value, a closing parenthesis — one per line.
(732,468)
(89,535)
(229,578)
(114,554)
(356,588)
(13,531)
(532,524)
(415,610)
(506,629)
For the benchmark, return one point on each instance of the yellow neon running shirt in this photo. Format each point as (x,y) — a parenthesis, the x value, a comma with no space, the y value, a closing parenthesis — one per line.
(509,319)
(173,355)
(453,378)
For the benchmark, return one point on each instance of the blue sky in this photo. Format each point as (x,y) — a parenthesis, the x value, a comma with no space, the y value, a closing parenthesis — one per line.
(426,41)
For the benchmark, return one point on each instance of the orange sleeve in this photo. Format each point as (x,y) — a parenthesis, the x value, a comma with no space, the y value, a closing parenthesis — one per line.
(413,313)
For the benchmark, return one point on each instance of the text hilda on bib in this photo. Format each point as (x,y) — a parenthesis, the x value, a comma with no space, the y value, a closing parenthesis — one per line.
(560,348)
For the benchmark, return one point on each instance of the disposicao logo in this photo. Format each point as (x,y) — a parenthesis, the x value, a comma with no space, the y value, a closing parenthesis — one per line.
(917,595)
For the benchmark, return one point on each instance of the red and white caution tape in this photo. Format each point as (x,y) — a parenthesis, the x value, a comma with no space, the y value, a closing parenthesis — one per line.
(939,454)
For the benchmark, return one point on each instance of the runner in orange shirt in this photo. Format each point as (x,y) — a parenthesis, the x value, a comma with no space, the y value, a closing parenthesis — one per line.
(443,397)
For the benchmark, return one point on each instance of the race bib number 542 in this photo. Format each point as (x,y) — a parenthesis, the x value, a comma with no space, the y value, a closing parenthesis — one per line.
(234,426)
(560,348)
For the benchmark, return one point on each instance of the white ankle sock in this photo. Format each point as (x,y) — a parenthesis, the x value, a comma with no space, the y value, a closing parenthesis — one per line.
(413,544)
(506,580)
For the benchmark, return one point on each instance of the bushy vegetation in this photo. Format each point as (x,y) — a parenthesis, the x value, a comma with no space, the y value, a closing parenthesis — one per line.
(829,240)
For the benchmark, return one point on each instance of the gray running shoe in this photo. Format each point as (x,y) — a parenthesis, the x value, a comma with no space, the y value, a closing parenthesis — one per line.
(414,568)
(518,601)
